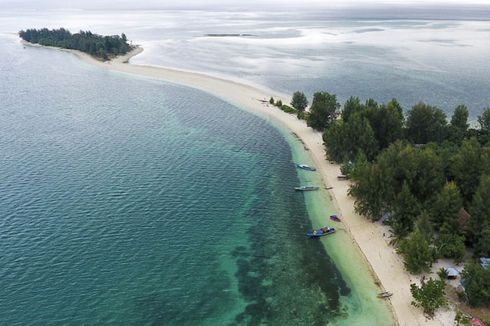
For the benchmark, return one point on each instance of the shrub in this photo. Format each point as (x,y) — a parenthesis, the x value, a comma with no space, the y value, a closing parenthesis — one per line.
(287,109)
(429,296)
(302,115)
(299,101)
(477,284)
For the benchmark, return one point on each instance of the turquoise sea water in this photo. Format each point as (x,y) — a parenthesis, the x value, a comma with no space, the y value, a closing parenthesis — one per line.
(131,201)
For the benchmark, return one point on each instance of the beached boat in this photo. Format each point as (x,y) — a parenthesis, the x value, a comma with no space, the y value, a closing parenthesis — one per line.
(384,295)
(334,218)
(305,167)
(321,232)
(306,188)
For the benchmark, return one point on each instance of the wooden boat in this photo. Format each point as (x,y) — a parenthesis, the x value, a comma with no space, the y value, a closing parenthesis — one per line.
(321,232)
(306,188)
(305,167)
(334,218)
(384,295)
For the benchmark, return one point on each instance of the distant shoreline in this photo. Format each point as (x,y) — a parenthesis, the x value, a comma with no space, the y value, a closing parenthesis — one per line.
(381,257)
(119,59)
(98,46)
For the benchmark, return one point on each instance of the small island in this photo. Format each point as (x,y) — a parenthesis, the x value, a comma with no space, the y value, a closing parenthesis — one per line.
(98,46)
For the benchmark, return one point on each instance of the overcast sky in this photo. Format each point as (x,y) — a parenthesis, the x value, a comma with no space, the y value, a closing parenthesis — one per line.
(229,4)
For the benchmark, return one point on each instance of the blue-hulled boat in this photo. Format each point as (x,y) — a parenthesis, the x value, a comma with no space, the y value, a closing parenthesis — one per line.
(321,232)
(335,218)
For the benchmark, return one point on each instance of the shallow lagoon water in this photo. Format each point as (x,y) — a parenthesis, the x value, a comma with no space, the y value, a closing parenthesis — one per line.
(439,61)
(127,200)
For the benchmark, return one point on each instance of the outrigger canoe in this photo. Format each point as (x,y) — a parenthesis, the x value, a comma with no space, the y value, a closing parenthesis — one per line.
(334,218)
(306,188)
(305,167)
(321,232)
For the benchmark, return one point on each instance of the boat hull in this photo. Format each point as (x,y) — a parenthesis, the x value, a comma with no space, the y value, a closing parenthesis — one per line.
(305,167)
(334,218)
(318,233)
(306,188)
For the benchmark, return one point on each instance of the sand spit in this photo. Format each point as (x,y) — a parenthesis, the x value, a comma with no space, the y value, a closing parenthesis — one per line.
(370,237)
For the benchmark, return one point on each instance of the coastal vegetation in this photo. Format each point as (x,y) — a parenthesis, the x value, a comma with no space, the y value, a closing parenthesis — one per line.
(297,107)
(429,295)
(299,101)
(477,284)
(101,47)
(424,175)
(421,167)
(418,255)
(323,110)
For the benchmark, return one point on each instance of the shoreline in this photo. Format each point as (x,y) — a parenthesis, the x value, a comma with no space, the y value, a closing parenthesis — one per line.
(368,237)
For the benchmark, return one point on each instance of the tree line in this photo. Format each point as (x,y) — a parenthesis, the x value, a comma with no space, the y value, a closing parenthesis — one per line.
(426,176)
(103,47)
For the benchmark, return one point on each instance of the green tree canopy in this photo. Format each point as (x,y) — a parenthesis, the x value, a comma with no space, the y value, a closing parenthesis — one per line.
(367,189)
(417,185)
(376,186)
(405,212)
(424,225)
(426,123)
(429,296)
(460,118)
(466,167)
(484,121)
(459,124)
(421,169)
(479,226)
(323,110)
(450,244)
(482,245)
(387,123)
(477,284)
(360,138)
(345,139)
(334,141)
(96,45)
(299,101)
(351,106)
(446,206)
(354,132)
(416,252)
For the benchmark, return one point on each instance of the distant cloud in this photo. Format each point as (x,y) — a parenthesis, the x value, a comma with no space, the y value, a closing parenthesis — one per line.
(224,4)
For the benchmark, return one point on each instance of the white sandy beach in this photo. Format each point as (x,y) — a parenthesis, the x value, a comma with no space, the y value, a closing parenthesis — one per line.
(385,263)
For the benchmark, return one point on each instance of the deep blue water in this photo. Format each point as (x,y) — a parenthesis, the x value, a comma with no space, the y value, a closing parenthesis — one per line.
(136,202)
